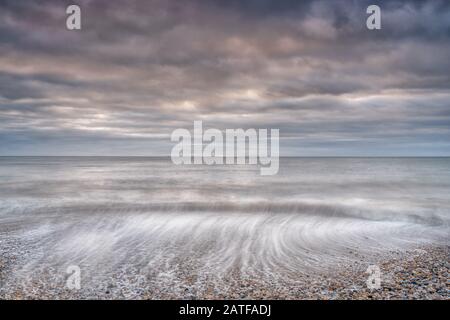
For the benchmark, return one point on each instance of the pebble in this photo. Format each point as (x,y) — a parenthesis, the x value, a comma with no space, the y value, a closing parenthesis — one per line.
(421,273)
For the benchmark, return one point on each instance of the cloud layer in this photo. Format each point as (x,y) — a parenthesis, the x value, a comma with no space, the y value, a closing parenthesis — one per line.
(139,69)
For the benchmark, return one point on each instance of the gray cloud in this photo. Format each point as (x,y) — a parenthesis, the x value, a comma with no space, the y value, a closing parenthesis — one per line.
(136,71)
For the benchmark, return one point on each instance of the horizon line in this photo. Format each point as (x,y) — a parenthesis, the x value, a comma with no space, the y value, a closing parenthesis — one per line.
(161,156)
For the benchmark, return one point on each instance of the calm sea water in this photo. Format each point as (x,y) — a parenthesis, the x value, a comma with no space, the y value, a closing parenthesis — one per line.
(148,214)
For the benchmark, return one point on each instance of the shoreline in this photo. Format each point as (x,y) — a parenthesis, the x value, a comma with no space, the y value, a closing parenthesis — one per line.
(420,273)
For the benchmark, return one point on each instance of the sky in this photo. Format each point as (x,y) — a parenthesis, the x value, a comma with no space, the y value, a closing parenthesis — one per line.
(137,70)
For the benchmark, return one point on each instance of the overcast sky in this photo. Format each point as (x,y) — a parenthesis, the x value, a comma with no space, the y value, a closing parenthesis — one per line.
(140,69)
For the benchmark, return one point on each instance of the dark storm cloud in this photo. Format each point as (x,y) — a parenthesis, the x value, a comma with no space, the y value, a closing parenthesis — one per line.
(139,69)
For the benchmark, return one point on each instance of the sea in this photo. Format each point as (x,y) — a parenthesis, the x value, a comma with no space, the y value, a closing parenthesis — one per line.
(125,221)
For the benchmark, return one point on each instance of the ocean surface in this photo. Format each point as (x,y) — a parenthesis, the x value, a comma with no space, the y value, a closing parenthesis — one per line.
(142,219)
